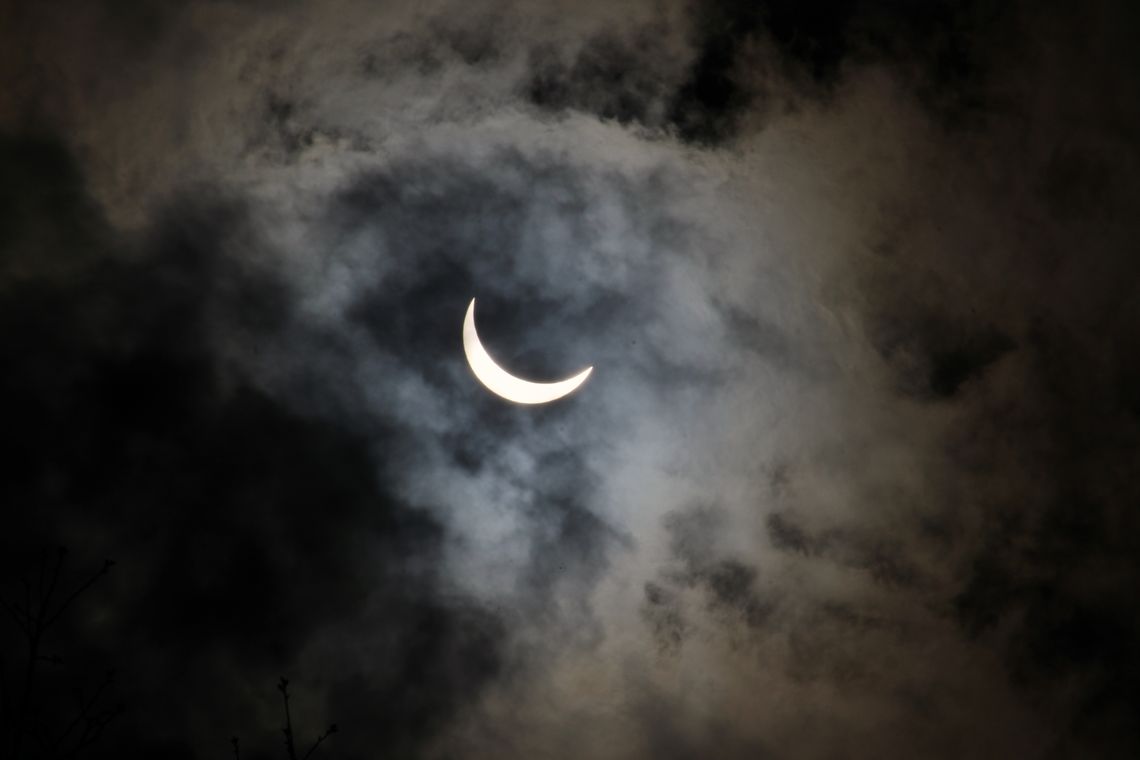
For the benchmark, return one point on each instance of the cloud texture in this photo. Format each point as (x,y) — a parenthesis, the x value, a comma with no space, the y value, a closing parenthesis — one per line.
(854,475)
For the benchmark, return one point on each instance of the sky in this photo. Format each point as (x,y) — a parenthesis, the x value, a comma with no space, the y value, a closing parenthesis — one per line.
(854,475)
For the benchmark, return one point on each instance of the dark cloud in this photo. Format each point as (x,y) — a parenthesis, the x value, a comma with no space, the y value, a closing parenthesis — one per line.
(612,77)
(635,78)
(936,41)
(241,529)
(854,474)
(886,564)
(934,357)
(728,584)
(469,39)
(1044,588)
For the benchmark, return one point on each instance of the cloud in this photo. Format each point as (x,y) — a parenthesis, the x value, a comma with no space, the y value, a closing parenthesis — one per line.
(853,472)
(242,528)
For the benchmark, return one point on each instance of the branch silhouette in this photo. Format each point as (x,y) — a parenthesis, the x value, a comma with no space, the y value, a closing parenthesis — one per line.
(287,729)
(332,729)
(283,687)
(21,712)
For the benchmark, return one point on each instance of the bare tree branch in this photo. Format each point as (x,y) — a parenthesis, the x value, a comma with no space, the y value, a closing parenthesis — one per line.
(14,612)
(93,729)
(60,555)
(85,708)
(28,600)
(290,745)
(320,740)
(283,687)
(107,565)
(43,573)
(22,718)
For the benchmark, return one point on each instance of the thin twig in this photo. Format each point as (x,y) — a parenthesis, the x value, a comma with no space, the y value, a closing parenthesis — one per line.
(237,751)
(107,565)
(27,599)
(14,611)
(45,604)
(43,572)
(320,740)
(93,729)
(33,619)
(283,687)
(86,707)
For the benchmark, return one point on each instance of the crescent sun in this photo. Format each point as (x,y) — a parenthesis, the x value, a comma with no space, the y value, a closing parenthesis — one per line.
(503,383)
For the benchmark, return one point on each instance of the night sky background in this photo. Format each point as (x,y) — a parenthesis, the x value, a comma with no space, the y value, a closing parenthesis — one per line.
(856,474)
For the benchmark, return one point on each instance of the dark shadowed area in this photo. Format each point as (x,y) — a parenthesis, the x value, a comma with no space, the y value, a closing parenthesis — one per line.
(855,474)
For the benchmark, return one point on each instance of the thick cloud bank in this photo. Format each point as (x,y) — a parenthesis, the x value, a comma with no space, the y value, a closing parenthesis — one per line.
(854,475)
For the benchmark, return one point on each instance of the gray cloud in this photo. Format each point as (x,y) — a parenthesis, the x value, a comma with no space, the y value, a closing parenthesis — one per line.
(853,474)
